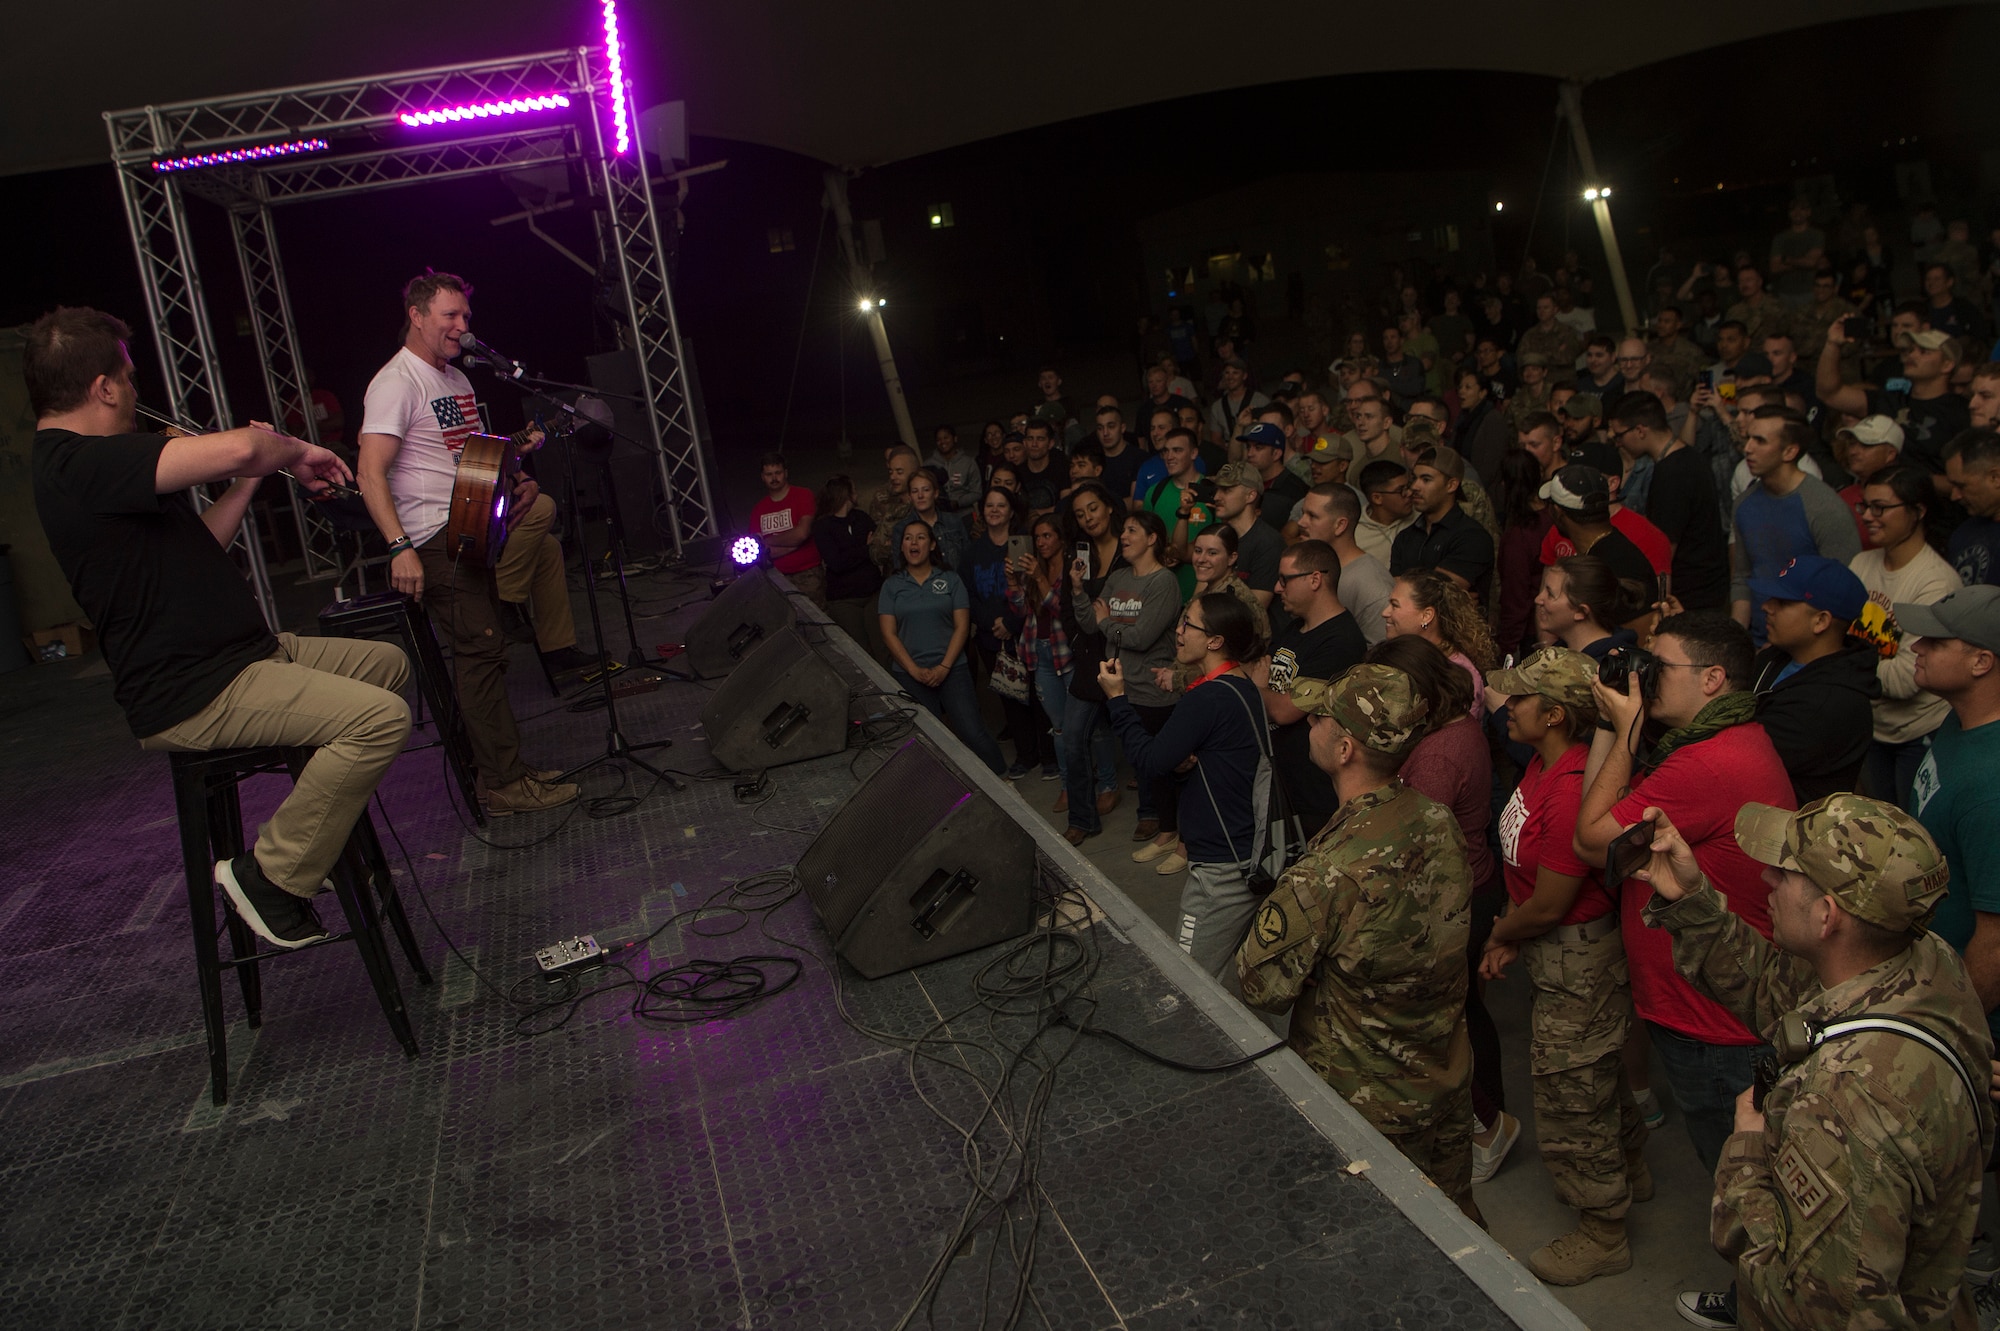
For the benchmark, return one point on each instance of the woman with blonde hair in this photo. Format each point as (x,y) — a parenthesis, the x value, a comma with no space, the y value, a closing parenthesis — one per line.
(1430,605)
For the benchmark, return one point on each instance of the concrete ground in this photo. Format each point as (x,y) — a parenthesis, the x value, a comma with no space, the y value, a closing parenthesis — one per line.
(1669,1235)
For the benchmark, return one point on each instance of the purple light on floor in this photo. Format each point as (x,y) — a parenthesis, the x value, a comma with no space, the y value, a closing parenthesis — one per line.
(745,550)
(482,110)
(615,52)
(257,154)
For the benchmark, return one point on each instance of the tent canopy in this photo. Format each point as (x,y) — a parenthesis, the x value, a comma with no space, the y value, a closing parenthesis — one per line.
(856,84)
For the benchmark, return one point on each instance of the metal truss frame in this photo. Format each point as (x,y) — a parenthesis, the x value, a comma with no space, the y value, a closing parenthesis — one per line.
(370,150)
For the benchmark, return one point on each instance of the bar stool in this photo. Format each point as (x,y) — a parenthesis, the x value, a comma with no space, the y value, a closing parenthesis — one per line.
(211,825)
(394,616)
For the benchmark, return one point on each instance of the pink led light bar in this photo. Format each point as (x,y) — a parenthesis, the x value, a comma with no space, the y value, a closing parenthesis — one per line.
(448,114)
(620,125)
(259,153)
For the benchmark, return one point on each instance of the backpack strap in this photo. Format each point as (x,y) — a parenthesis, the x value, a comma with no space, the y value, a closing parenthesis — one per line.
(1910,1030)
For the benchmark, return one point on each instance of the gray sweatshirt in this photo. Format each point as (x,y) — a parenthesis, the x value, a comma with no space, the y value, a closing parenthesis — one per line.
(1143,610)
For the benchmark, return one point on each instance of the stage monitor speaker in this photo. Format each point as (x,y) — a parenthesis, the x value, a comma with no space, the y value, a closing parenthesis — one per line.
(749,611)
(918,865)
(783,704)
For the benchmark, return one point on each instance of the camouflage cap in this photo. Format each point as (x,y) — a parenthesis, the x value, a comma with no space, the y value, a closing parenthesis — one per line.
(1421,432)
(1582,406)
(1875,860)
(1533,358)
(1556,673)
(1374,703)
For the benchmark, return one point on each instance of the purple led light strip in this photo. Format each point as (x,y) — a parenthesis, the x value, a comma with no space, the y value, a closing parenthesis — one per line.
(481,110)
(621,129)
(241,155)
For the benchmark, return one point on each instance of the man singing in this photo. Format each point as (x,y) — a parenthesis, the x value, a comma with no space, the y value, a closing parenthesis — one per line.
(418,412)
(192,662)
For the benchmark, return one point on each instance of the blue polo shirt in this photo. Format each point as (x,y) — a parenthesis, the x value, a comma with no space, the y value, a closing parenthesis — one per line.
(923,611)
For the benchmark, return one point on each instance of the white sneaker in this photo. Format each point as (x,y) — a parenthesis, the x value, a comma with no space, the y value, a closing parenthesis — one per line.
(1649,1108)
(1711,1308)
(1982,1263)
(1486,1160)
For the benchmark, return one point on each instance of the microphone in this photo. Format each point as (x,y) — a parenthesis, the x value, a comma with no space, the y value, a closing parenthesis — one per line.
(507,366)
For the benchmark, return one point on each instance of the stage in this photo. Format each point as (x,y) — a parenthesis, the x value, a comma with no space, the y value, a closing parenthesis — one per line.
(967,1163)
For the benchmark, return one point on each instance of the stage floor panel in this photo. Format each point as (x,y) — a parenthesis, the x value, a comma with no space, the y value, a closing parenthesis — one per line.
(776,1168)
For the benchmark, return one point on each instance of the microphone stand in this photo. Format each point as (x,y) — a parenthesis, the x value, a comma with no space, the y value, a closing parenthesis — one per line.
(617,748)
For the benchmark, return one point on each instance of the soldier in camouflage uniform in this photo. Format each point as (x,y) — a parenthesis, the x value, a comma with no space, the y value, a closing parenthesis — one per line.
(1533,394)
(1761,313)
(1554,341)
(1810,324)
(889,506)
(1675,352)
(1564,926)
(1851,1198)
(1364,938)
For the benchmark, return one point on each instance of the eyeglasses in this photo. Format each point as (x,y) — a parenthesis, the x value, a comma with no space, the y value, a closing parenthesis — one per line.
(1875,510)
(1285,578)
(1187,624)
(1400,492)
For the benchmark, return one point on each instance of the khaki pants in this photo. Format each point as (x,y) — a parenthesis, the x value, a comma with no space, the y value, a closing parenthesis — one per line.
(531,570)
(338,695)
(464,604)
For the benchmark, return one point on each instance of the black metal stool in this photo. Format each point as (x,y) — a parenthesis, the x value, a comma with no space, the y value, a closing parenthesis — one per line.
(211,819)
(394,616)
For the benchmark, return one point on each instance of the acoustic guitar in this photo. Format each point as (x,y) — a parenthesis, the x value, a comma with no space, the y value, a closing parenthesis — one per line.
(482,496)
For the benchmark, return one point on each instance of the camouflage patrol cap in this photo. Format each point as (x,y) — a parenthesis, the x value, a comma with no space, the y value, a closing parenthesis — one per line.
(1532,358)
(1374,703)
(1556,673)
(1875,860)
(1421,432)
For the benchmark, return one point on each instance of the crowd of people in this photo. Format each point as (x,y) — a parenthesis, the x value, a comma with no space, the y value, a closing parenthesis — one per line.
(1666,666)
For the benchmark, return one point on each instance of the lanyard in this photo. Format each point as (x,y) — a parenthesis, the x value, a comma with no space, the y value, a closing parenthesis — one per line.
(1222,669)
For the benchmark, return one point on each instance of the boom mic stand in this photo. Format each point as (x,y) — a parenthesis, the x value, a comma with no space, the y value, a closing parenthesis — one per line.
(617,748)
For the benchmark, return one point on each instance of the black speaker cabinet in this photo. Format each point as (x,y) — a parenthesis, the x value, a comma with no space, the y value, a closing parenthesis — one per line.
(919,865)
(784,704)
(749,611)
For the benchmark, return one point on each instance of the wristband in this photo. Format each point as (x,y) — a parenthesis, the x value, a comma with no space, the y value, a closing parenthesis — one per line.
(1605,724)
(400,544)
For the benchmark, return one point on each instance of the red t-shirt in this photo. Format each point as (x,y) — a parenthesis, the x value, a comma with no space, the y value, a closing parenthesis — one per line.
(769,516)
(1537,829)
(1701,787)
(1652,542)
(1851,493)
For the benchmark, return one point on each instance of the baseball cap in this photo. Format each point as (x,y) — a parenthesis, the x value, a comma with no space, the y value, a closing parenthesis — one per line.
(1421,432)
(1445,461)
(1239,473)
(1332,448)
(1970,613)
(1877,861)
(1263,434)
(1932,339)
(1578,489)
(1875,430)
(1237,363)
(1374,703)
(1584,405)
(1825,584)
(1556,673)
(1754,365)
(1532,358)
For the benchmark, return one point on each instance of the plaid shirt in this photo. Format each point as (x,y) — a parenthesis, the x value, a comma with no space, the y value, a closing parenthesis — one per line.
(1041,629)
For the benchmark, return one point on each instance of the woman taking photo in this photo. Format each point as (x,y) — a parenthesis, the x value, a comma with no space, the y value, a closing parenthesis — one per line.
(1090,756)
(1560,916)
(948,528)
(1453,765)
(1213,557)
(840,531)
(995,626)
(926,618)
(1133,617)
(1429,605)
(1219,728)
(1034,597)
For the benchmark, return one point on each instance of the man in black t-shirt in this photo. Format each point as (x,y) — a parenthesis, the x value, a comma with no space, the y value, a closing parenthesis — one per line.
(1321,641)
(1581,497)
(1045,475)
(1681,502)
(192,662)
(1121,453)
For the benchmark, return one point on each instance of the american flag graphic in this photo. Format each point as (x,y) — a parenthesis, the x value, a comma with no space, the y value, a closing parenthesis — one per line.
(457,417)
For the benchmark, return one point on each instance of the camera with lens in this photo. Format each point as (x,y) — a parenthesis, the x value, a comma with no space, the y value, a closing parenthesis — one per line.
(1621,663)
(1203,490)
(1857,327)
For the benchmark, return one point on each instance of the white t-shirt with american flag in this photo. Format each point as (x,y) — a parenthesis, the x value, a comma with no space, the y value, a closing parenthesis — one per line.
(431,411)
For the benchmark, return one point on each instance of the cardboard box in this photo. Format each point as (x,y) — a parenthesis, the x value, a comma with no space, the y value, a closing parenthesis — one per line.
(63,642)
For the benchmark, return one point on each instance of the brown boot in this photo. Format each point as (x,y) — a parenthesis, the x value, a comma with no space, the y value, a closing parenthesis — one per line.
(1638,1175)
(526,796)
(1594,1248)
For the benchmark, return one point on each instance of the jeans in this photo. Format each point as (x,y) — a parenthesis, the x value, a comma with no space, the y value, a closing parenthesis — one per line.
(955,703)
(1706,1079)
(1889,770)
(1087,745)
(1052,690)
(1159,798)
